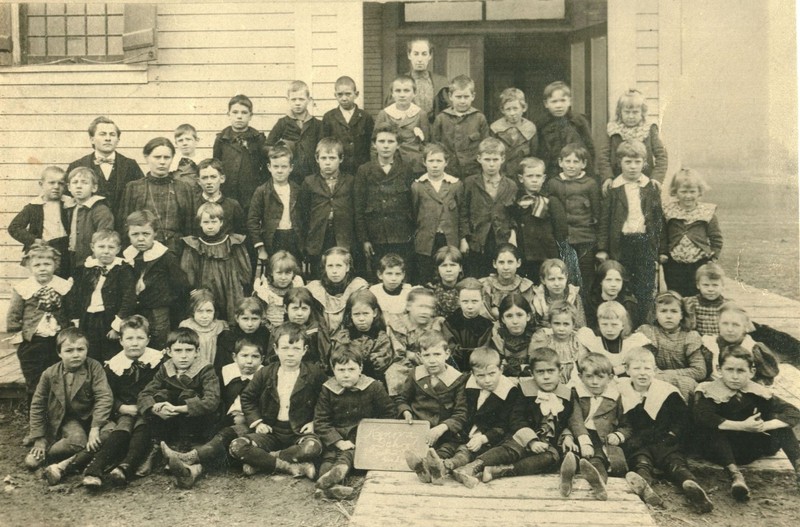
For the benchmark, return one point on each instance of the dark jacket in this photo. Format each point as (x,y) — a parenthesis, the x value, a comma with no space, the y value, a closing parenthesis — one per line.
(714,403)
(665,430)
(655,162)
(316,203)
(260,400)
(492,419)
(125,170)
(582,204)
(28,225)
(302,142)
(235,221)
(528,423)
(243,162)
(464,335)
(382,203)
(89,399)
(118,292)
(226,343)
(264,214)
(607,417)
(425,402)
(356,136)
(197,388)
(93,216)
(232,385)
(537,236)
(127,380)
(615,212)
(339,410)
(485,213)
(159,271)
(461,135)
(430,207)
(557,132)
(520,140)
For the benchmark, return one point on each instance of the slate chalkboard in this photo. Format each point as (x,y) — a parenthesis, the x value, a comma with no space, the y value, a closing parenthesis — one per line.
(381,443)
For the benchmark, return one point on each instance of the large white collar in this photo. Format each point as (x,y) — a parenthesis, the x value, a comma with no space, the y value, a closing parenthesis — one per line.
(447,177)
(361,384)
(395,113)
(91,261)
(654,398)
(232,372)
(28,287)
(611,392)
(66,201)
(503,387)
(153,253)
(89,203)
(620,181)
(719,393)
(119,362)
(449,376)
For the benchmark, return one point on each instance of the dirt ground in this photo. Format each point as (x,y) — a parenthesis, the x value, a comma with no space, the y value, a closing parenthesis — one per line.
(231,499)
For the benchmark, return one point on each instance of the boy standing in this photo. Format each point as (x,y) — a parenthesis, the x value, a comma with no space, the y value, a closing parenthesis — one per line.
(236,376)
(88,214)
(71,404)
(299,131)
(326,201)
(349,124)
(45,218)
(657,417)
(631,222)
(184,164)
(580,195)
(489,197)
(240,149)
(434,391)
(344,401)
(278,406)
(382,199)
(413,127)
(273,219)
(211,178)
(561,127)
(104,294)
(465,328)
(113,170)
(460,128)
(181,403)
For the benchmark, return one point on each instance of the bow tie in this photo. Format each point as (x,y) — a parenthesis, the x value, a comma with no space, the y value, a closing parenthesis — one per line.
(101,270)
(103,161)
(549,403)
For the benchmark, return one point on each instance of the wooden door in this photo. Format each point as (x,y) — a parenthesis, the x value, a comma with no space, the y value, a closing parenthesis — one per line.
(589,76)
(461,55)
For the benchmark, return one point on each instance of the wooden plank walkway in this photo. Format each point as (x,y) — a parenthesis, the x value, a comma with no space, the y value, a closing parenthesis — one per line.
(767,308)
(390,499)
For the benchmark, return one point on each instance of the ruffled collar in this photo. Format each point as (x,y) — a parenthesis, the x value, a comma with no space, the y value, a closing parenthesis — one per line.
(525,127)
(28,287)
(91,262)
(231,372)
(518,284)
(620,181)
(720,394)
(653,399)
(120,362)
(446,177)
(640,132)
(361,384)
(449,376)
(702,212)
(153,253)
(503,387)
(214,246)
(395,113)
(611,392)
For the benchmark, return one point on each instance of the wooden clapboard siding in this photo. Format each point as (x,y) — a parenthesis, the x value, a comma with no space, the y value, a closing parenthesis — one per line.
(647,34)
(206,54)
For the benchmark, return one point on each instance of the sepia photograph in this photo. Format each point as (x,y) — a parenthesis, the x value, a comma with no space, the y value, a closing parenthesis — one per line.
(332,263)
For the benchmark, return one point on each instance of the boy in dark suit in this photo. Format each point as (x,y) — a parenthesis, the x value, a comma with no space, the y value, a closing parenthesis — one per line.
(114,171)
(278,407)
(71,405)
(326,201)
(349,124)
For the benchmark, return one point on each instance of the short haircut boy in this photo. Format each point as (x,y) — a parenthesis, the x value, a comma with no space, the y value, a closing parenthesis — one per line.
(295,332)
(85,172)
(344,80)
(216,164)
(384,128)
(106,234)
(70,334)
(344,354)
(434,148)
(513,95)
(140,218)
(483,357)
(330,144)
(553,87)
(711,271)
(185,129)
(490,145)
(462,82)
(212,210)
(52,169)
(639,354)
(575,149)
(529,163)
(248,343)
(595,363)
(279,151)
(548,355)
(135,322)
(405,79)
(183,336)
(632,149)
(469,284)
(391,260)
(242,100)
(298,85)
(431,338)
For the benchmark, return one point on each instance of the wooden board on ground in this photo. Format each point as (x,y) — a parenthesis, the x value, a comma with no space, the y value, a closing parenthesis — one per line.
(400,499)
(382,443)
(764,307)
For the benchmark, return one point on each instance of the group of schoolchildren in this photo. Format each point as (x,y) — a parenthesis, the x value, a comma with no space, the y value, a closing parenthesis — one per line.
(179,347)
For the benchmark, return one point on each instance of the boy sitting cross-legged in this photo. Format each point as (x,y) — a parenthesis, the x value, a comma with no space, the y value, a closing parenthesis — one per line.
(434,391)
(657,416)
(600,408)
(490,396)
(539,421)
(187,467)
(278,405)
(71,404)
(344,401)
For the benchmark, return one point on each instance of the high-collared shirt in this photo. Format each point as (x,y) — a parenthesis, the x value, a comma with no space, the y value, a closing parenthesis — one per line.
(106,163)
(286,382)
(634,223)
(284,193)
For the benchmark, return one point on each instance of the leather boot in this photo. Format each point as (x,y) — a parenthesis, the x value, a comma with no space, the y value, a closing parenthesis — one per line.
(150,462)
(592,475)
(697,496)
(739,488)
(499,471)
(641,488)
(568,469)
(467,474)
(53,473)
(459,459)
(435,467)
(212,451)
(333,477)
(185,475)
(415,463)
(296,470)
(188,458)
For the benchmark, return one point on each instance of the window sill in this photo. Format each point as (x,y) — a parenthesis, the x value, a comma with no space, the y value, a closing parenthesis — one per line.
(74,74)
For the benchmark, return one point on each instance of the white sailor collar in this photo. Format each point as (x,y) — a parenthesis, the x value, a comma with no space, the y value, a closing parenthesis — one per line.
(153,253)
(91,262)
(231,372)
(719,393)
(120,362)
(503,387)
(28,287)
(449,376)
(395,113)
(620,181)
(89,203)
(192,372)
(525,127)
(446,177)
(529,389)
(654,398)
(361,384)
(452,111)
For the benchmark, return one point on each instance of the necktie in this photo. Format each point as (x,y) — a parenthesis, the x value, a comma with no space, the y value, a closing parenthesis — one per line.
(103,161)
